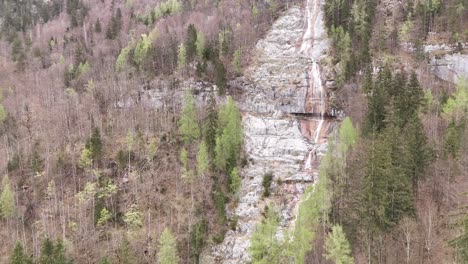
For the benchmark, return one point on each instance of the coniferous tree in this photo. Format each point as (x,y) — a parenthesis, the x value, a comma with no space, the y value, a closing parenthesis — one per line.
(19,256)
(47,252)
(97,26)
(264,245)
(188,123)
(181,56)
(202,159)
(378,101)
(337,247)
(168,248)
(210,126)
(59,254)
(126,254)
(190,43)
(7,201)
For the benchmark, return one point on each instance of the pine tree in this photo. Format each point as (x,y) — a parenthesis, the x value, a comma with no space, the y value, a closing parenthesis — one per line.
(7,201)
(167,248)
(188,123)
(337,247)
(19,256)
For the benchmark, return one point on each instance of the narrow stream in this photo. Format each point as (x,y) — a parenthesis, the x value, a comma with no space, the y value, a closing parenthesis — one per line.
(315,100)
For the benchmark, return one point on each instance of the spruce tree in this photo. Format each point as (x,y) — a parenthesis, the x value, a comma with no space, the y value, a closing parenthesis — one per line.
(337,247)
(19,256)
(210,126)
(47,252)
(190,43)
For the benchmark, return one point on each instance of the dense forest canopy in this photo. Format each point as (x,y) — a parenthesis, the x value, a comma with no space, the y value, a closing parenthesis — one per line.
(95,170)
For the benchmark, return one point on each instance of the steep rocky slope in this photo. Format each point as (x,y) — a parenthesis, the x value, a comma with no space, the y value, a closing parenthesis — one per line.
(285,80)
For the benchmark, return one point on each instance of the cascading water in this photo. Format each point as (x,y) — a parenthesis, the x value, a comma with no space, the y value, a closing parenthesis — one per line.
(275,142)
(315,100)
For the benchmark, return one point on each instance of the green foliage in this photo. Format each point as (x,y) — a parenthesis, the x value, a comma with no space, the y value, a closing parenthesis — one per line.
(104,217)
(2,114)
(203,159)
(7,200)
(197,239)
(235,181)
(77,11)
(200,45)
(266,183)
(220,77)
(347,135)
(94,144)
(337,247)
(105,260)
(313,209)
(126,255)
(457,105)
(190,43)
(342,44)
(97,26)
(19,256)
(181,56)
(122,59)
(143,47)
(236,61)
(264,245)
(188,123)
(229,136)
(210,126)
(454,137)
(167,8)
(88,193)
(133,218)
(168,248)
(115,25)
(86,160)
(387,194)
(460,243)
(47,251)
(220,204)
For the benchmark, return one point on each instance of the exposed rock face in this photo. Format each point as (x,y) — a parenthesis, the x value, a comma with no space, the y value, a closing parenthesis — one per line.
(278,79)
(285,79)
(451,67)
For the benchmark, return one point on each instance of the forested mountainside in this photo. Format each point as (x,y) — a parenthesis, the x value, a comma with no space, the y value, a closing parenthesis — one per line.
(233,131)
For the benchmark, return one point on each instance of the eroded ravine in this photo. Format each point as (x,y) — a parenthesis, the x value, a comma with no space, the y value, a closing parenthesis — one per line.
(285,79)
